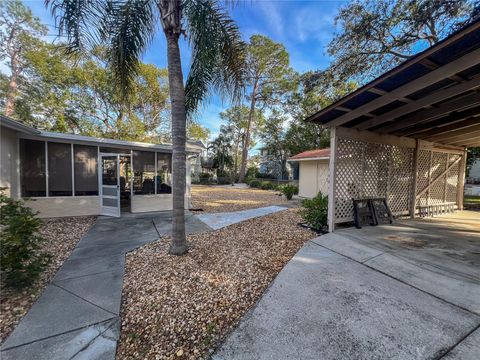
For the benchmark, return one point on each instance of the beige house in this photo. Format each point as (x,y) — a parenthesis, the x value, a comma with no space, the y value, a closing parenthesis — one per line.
(313,172)
(71,175)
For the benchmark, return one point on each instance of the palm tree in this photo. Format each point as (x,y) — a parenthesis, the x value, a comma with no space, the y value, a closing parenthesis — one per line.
(128,27)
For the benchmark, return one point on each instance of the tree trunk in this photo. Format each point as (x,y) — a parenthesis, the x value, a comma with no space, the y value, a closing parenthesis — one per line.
(235,166)
(246,142)
(12,88)
(179,244)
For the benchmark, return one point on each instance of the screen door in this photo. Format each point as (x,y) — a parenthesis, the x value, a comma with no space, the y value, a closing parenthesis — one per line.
(109,185)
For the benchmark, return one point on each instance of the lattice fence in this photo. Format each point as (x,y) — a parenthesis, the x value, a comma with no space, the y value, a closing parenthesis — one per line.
(365,169)
(431,165)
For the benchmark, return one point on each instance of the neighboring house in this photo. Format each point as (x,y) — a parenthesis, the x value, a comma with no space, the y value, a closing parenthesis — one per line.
(313,172)
(197,159)
(70,175)
(272,165)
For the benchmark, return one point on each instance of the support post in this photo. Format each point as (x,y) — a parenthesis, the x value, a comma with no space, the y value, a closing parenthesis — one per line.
(461,180)
(413,192)
(332,179)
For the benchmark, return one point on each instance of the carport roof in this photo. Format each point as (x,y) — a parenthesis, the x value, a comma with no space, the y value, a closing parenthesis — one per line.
(432,96)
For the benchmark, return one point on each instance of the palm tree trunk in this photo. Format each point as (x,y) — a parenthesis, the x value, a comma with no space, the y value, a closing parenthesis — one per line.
(179,244)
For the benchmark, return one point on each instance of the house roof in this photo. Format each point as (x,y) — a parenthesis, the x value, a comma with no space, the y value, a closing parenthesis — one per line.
(15,125)
(432,96)
(318,154)
(30,132)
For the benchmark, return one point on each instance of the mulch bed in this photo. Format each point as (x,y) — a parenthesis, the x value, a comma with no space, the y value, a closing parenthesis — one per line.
(61,237)
(213,199)
(182,307)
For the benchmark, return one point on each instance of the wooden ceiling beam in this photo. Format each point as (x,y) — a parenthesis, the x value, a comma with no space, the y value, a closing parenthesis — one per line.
(464,102)
(433,98)
(433,124)
(433,65)
(445,129)
(459,139)
(472,143)
(453,133)
(422,82)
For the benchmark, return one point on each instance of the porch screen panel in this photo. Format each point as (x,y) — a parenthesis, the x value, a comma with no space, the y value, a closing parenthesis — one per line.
(143,172)
(164,173)
(86,170)
(32,168)
(59,169)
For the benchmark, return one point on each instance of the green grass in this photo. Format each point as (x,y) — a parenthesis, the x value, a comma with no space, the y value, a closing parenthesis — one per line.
(467,199)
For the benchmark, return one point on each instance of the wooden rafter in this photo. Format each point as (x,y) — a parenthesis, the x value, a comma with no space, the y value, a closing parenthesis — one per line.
(421,82)
(464,102)
(455,134)
(423,102)
(443,125)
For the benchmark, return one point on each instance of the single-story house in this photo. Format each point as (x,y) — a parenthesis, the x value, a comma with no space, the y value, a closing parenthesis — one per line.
(313,172)
(404,135)
(70,175)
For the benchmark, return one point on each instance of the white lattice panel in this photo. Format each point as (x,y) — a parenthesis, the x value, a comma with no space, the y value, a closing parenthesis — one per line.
(371,170)
(365,169)
(400,176)
(424,158)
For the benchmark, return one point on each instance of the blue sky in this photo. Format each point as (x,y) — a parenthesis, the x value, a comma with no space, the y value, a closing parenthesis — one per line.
(304,27)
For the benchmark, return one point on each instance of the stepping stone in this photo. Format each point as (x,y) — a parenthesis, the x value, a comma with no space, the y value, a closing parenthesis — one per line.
(93,342)
(80,267)
(66,312)
(103,290)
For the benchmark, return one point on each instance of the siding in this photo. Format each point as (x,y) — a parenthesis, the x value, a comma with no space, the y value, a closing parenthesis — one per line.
(9,161)
(313,178)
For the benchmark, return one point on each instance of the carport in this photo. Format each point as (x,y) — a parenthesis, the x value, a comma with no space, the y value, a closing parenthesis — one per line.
(404,135)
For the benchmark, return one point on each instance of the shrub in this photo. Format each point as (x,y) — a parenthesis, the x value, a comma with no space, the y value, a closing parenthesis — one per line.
(254,183)
(314,211)
(252,172)
(266,185)
(21,260)
(289,190)
(204,176)
(265,176)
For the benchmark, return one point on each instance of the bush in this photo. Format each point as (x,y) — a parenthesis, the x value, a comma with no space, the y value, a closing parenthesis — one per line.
(252,172)
(314,211)
(265,176)
(254,183)
(21,261)
(289,190)
(266,185)
(204,176)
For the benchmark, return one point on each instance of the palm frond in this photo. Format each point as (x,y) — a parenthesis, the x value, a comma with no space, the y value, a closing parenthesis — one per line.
(218,53)
(129,28)
(78,21)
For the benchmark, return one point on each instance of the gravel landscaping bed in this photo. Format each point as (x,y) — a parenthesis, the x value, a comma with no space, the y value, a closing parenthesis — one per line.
(182,307)
(61,237)
(214,199)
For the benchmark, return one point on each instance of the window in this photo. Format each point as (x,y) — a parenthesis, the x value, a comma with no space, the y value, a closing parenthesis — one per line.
(86,170)
(32,168)
(59,169)
(143,172)
(164,173)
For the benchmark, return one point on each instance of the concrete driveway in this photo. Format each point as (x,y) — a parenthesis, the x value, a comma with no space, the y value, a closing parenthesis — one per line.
(405,291)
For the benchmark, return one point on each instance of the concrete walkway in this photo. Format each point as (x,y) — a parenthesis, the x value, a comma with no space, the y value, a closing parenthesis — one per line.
(220,220)
(77,316)
(324,305)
